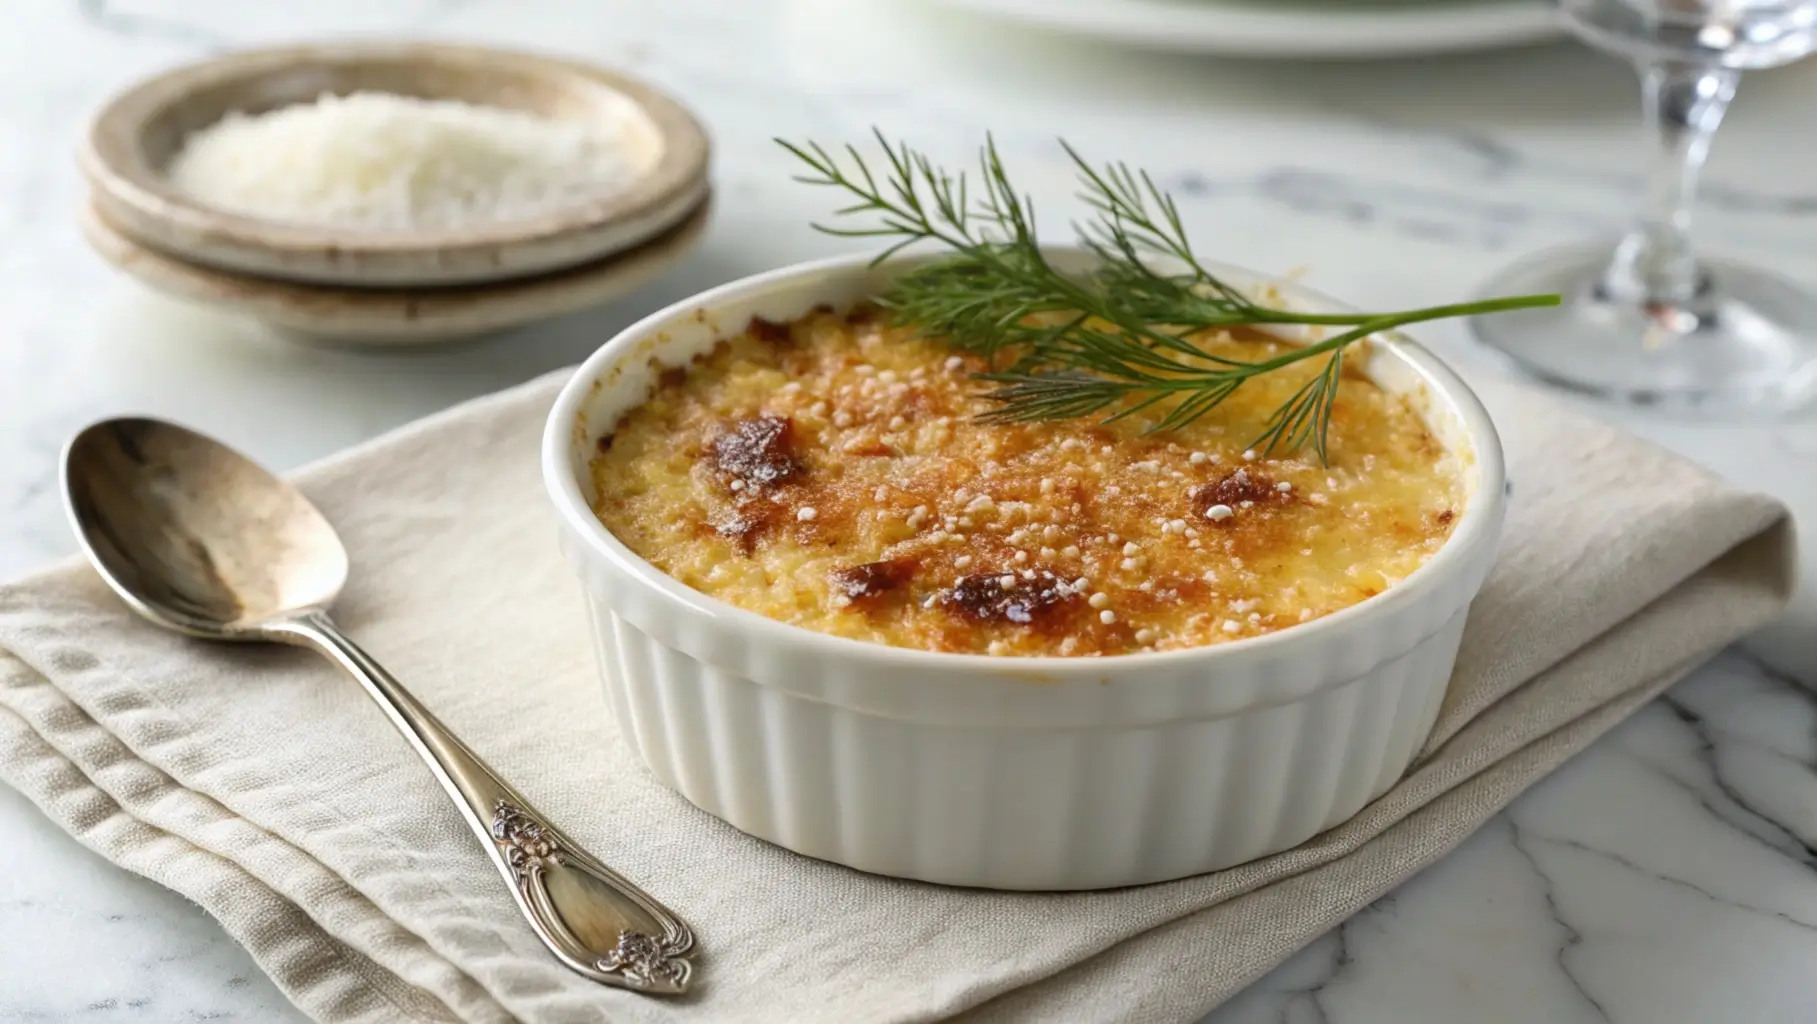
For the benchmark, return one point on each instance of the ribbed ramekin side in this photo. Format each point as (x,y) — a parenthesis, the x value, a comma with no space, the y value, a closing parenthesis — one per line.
(1017,808)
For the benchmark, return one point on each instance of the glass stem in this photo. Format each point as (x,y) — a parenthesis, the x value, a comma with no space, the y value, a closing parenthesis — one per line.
(1683,105)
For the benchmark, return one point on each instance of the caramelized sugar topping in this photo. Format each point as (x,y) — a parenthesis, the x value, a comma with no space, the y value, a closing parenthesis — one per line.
(1022,598)
(758,452)
(833,473)
(865,583)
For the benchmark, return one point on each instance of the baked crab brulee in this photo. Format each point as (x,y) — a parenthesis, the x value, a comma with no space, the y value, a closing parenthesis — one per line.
(840,473)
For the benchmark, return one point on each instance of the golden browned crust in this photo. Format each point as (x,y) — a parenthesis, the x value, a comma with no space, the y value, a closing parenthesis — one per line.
(831,473)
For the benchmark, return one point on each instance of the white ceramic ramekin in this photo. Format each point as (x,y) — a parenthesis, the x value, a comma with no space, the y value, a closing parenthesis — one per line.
(1011,773)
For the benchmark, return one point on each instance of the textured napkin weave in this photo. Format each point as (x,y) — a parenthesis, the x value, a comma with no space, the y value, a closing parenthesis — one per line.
(263,785)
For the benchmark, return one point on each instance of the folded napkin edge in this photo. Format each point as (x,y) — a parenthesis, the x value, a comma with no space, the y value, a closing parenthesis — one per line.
(176,863)
(66,736)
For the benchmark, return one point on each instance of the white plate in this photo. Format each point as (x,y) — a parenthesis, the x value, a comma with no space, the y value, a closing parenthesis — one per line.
(1288,28)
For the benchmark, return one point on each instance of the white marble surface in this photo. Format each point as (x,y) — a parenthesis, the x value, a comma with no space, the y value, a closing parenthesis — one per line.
(1669,874)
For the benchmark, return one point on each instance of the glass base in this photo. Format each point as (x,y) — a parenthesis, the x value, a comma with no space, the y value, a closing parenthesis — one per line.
(1744,347)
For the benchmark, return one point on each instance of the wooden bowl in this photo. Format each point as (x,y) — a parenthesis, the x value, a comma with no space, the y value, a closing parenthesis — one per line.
(396,317)
(133,138)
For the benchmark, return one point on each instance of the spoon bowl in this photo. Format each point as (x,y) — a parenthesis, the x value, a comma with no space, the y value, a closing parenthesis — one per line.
(194,535)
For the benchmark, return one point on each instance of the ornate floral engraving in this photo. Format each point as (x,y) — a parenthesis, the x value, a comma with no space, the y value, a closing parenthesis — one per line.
(528,845)
(639,961)
(646,962)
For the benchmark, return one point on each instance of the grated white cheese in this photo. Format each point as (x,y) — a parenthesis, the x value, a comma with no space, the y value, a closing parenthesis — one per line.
(377,161)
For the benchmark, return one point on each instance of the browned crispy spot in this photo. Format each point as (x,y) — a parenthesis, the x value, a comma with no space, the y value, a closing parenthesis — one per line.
(759,452)
(769,331)
(1445,517)
(865,583)
(1233,489)
(983,597)
(745,524)
(604,444)
(673,377)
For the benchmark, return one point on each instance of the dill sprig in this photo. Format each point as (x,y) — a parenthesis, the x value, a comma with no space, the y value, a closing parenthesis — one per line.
(1117,340)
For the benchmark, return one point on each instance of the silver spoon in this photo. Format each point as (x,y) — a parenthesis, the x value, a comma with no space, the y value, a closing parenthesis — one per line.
(199,539)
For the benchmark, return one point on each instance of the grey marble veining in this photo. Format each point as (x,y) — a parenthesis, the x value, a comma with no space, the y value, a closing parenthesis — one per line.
(1666,875)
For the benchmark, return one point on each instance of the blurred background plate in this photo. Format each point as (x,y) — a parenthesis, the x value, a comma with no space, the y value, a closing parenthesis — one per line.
(1288,28)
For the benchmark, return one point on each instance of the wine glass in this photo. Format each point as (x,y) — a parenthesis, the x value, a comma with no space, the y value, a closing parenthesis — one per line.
(1645,321)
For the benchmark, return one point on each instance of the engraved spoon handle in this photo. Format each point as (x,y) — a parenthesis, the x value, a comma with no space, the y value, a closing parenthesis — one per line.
(593,920)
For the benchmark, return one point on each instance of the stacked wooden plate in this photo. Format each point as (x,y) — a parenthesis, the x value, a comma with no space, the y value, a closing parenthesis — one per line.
(390,287)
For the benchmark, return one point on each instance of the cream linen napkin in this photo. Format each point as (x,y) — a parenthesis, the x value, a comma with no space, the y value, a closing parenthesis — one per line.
(263,785)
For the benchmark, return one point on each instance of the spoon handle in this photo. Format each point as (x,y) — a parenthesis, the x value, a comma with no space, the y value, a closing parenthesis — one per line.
(593,920)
